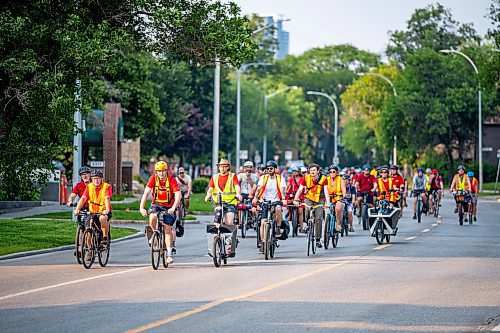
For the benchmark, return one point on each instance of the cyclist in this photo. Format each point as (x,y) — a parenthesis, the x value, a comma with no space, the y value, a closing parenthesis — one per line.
(271,187)
(419,181)
(365,182)
(474,185)
(461,182)
(80,188)
(433,188)
(166,196)
(315,186)
(337,191)
(98,196)
(398,181)
(437,184)
(227,183)
(291,190)
(351,195)
(387,188)
(185,184)
(248,180)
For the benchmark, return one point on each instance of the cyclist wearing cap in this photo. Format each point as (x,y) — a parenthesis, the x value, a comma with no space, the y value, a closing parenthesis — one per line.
(303,171)
(80,188)
(337,191)
(315,186)
(387,188)
(248,180)
(292,188)
(166,196)
(185,184)
(461,182)
(365,182)
(474,185)
(98,196)
(419,181)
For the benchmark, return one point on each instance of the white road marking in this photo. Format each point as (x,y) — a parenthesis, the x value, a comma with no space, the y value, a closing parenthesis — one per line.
(426,230)
(381,247)
(496,329)
(70,282)
(410,238)
(434,224)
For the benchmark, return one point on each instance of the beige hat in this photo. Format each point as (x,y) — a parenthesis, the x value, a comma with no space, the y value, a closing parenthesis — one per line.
(223,161)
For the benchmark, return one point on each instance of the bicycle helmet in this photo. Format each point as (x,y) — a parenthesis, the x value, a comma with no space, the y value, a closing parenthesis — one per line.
(248,164)
(394,167)
(461,167)
(272,164)
(333,167)
(160,166)
(470,173)
(303,169)
(84,169)
(383,167)
(262,167)
(434,171)
(346,176)
(420,170)
(367,166)
(96,173)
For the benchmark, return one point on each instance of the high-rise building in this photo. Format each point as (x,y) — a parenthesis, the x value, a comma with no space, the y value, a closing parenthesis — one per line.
(281,36)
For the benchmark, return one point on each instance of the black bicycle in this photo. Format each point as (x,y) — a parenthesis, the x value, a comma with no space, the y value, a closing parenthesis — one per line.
(268,218)
(158,247)
(221,240)
(364,210)
(330,231)
(92,242)
(420,205)
(435,202)
(462,199)
(181,210)
(80,229)
(244,216)
(311,229)
(293,214)
(345,219)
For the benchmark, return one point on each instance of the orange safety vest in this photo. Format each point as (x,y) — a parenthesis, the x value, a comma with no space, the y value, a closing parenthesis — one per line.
(473,184)
(461,185)
(96,202)
(162,195)
(382,188)
(335,188)
(278,182)
(314,190)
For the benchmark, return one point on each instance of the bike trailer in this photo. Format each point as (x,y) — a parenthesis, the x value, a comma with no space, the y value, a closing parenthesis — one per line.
(388,215)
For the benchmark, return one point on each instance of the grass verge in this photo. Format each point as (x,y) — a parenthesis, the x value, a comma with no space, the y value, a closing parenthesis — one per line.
(20,236)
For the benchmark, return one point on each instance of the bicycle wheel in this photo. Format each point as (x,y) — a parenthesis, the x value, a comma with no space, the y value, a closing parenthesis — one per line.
(419,210)
(364,216)
(164,252)
(267,241)
(309,237)
(460,214)
(257,229)
(326,233)
(335,237)
(295,223)
(103,253)
(313,237)
(387,239)
(88,248)
(272,248)
(345,224)
(155,250)
(469,206)
(244,219)
(379,233)
(216,251)
(78,243)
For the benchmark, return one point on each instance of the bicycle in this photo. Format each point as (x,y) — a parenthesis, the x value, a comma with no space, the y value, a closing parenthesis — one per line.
(364,210)
(218,248)
(158,246)
(181,211)
(268,214)
(435,202)
(244,210)
(80,229)
(293,215)
(311,233)
(383,221)
(345,219)
(92,238)
(463,202)
(419,204)
(330,230)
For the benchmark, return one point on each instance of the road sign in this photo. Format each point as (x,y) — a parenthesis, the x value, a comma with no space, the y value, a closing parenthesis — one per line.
(288,155)
(487,149)
(97,164)
(243,154)
(336,160)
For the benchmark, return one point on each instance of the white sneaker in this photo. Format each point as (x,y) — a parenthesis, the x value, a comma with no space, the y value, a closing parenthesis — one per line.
(169,260)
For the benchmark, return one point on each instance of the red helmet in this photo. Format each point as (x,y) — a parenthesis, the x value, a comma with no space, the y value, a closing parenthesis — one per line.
(434,171)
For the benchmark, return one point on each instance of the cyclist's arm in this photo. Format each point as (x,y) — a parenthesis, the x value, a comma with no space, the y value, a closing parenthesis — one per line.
(210,192)
(190,187)
(80,204)
(107,205)
(256,193)
(299,191)
(178,197)
(344,190)
(327,195)
(145,195)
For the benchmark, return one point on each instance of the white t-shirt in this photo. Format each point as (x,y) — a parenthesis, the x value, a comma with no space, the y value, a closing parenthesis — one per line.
(271,191)
(246,188)
(185,179)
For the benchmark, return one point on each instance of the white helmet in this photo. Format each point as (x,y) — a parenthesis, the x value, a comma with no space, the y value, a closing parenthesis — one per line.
(248,164)
(303,169)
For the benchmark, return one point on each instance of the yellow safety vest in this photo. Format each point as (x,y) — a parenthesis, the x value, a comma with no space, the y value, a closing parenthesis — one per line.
(278,182)
(96,203)
(335,188)
(461,185)
(314,190)
(162,195)
(388,194)
(229,193)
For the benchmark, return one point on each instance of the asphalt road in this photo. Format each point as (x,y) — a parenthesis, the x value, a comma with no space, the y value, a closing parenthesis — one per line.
(434,276)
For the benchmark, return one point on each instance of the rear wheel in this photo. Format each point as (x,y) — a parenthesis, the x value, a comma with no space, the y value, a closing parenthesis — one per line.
(326,234)
(364,216)
(267,241)
(313,236)
(335,238)
(78,243)
(272,247)
(164,254)
(88,248)
(155,249)
(460,214)
(419,210)
(345,224)
(469,206)
(310,235)
(295,224)
(216,251)
(387,239)
(379,233)
(103,253)
(243,223)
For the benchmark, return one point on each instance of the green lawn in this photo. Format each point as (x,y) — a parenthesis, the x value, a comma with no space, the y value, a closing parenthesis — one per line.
(490,186)
(26,235)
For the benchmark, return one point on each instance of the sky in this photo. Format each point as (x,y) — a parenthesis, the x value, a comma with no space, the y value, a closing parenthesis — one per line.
(362,23)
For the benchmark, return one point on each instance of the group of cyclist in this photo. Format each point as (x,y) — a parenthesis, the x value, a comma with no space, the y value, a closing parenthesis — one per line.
(305,188)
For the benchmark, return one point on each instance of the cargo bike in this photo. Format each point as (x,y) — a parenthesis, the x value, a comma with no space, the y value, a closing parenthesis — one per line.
(383,221)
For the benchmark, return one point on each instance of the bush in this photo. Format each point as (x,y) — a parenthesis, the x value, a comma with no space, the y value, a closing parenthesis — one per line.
(200,185)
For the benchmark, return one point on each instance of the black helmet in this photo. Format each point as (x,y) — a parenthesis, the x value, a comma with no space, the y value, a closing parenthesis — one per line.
(272,164)
(383,168)
(262,166)
(333,167)
(96,173)
(84,169)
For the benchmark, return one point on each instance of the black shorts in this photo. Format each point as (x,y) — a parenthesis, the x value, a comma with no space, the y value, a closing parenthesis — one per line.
(155,208)
(96,220)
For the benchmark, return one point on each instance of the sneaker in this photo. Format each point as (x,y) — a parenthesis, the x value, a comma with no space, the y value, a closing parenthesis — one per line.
(261,249)
(414,216)
(174,251)
(475,219)
(456,210)
(169,260)
(318,244)
(466,220)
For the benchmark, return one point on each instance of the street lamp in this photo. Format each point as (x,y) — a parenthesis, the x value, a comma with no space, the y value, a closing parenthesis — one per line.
(395,151)
(479,116)
(264,143)
(335,149)
(238,106)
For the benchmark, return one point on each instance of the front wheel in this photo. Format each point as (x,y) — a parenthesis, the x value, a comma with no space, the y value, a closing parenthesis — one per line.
(155,249)
(103,253)
(326,233)
(267,241)
(419,211)
(364,216)
(244,221)
(295,226)
(460,214)
(88,248)
(379,233)
(217,251)
(78,243)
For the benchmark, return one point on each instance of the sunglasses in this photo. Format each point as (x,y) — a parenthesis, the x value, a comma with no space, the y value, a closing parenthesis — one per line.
(383,171)
(333,171)
(270,168)
(181,173)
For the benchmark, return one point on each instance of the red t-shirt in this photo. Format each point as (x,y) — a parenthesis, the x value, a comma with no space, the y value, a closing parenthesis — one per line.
(366,182)
(108,193)
(474,185)
(294,186)
(223,180)
(79,189)
(174,187)
(398,181)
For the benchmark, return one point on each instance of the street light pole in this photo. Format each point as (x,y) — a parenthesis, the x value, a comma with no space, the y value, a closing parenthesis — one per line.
(479,116)
(395,152)
(264,143)
(215,134)
(335,131)
(77,138)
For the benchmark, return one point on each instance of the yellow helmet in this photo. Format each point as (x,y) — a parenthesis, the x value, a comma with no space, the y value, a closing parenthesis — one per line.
(161,165)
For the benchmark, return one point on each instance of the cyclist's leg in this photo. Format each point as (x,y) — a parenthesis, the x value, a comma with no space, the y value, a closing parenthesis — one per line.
(300,214)
(358,203)
(318,218)
(279,215)
(103,219)
(415,198)
(339,207)
(350,209)
(431,202)
(186,204)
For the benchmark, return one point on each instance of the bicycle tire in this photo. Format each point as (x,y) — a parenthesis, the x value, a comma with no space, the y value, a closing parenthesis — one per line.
(460,214)
(379,233)
(387,239)
(295,223)
(308,238)
(216,251)
(313,237)
(267,241)
(86,248)
(103,254)
(164,254)
(345,224)
(78,238)
(419,211)
(326,233)
(155,250)
(244,219)
(364,216)
(469,206)
(272,247)
(335,238)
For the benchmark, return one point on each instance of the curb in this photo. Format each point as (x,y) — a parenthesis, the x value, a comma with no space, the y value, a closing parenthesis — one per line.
(62,248)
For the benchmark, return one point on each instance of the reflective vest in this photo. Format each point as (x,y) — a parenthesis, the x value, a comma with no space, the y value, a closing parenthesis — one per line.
(473,184)
(335,188)
(314,190)
(278,182)
(382,188)
(229,193)
(461,185)
(96,203)
(162,195)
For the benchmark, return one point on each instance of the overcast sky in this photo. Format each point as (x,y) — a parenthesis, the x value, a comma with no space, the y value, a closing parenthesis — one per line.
(362,23)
